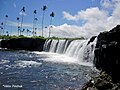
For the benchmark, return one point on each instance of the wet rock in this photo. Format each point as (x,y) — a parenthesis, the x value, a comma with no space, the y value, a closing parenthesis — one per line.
(102,82)
(107,52)
(107,59)
(24,44)
(91,39)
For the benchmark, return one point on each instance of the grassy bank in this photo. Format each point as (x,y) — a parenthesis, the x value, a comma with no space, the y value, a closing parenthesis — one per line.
(40,37)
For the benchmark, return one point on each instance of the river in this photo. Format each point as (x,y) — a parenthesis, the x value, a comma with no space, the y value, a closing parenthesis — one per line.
(28,70)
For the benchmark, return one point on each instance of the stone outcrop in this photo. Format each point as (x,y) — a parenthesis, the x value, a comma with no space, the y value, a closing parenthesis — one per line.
(0,42)
(24,44)
(102,82)
(107,60)
(91,39)
(107,52)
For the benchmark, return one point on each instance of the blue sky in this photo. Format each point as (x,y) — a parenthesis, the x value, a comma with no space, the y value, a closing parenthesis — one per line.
(73,18)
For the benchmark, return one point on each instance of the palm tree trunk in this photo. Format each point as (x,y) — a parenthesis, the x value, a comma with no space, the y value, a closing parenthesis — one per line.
(18,28)
(35,29)
(43,22)
(4,27)
(50,27)
(34,25)
(21,23)
(0,31)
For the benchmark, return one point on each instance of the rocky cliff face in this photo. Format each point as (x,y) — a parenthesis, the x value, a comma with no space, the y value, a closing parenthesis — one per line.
(107,59)
(24,44)
(107,52)
(0,42)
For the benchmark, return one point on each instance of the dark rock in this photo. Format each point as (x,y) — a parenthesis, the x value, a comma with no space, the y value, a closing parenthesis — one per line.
(0,43)
(107,52)
(91,39)
(103,85)
(102,82)
(24,44)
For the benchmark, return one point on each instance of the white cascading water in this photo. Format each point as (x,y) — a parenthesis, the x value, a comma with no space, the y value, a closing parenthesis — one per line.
(78,49)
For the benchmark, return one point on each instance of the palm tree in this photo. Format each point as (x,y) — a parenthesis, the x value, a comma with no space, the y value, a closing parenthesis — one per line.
(18,24)
(35,31)
(27,32)
(6,16)
(7,34)
(2,28)
(35,27)
(23,11)
(2,23)
(23,31)
(51,15)
(34,22)
(44,8)
(19,30)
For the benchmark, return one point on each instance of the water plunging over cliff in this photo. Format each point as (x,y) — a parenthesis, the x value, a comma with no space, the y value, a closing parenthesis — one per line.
(77,49)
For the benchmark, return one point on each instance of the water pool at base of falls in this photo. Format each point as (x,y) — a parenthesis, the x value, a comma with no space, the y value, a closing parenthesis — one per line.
(42,71)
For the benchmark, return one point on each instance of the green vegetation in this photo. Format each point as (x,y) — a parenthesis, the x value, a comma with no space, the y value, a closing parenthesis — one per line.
(57,38)
(10,37)
(40,37)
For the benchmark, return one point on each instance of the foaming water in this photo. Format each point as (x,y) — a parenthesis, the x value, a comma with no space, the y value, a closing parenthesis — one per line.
(24,64)
(71,51)
(61,58)
(64,65)
(42,71)
(4,61)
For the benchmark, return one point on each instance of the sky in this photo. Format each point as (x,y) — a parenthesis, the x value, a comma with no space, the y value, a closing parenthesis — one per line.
(73,18)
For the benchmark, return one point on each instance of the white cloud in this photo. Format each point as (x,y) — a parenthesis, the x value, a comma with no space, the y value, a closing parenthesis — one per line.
(89,14)
(65,30)
(106,3)
(15,24)
(96,19)
(68,16)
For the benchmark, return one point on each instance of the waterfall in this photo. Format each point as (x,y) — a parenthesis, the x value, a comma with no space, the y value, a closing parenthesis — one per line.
(82,50)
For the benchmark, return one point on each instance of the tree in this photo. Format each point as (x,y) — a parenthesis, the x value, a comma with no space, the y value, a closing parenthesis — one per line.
(35,12)
(23,11)
(19,30)
(18,24)
(51,15)
(35,26)
(6,16)
(22,31)
(28,32)
(7,33)
(2,23)
(2,28)
(44,8)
